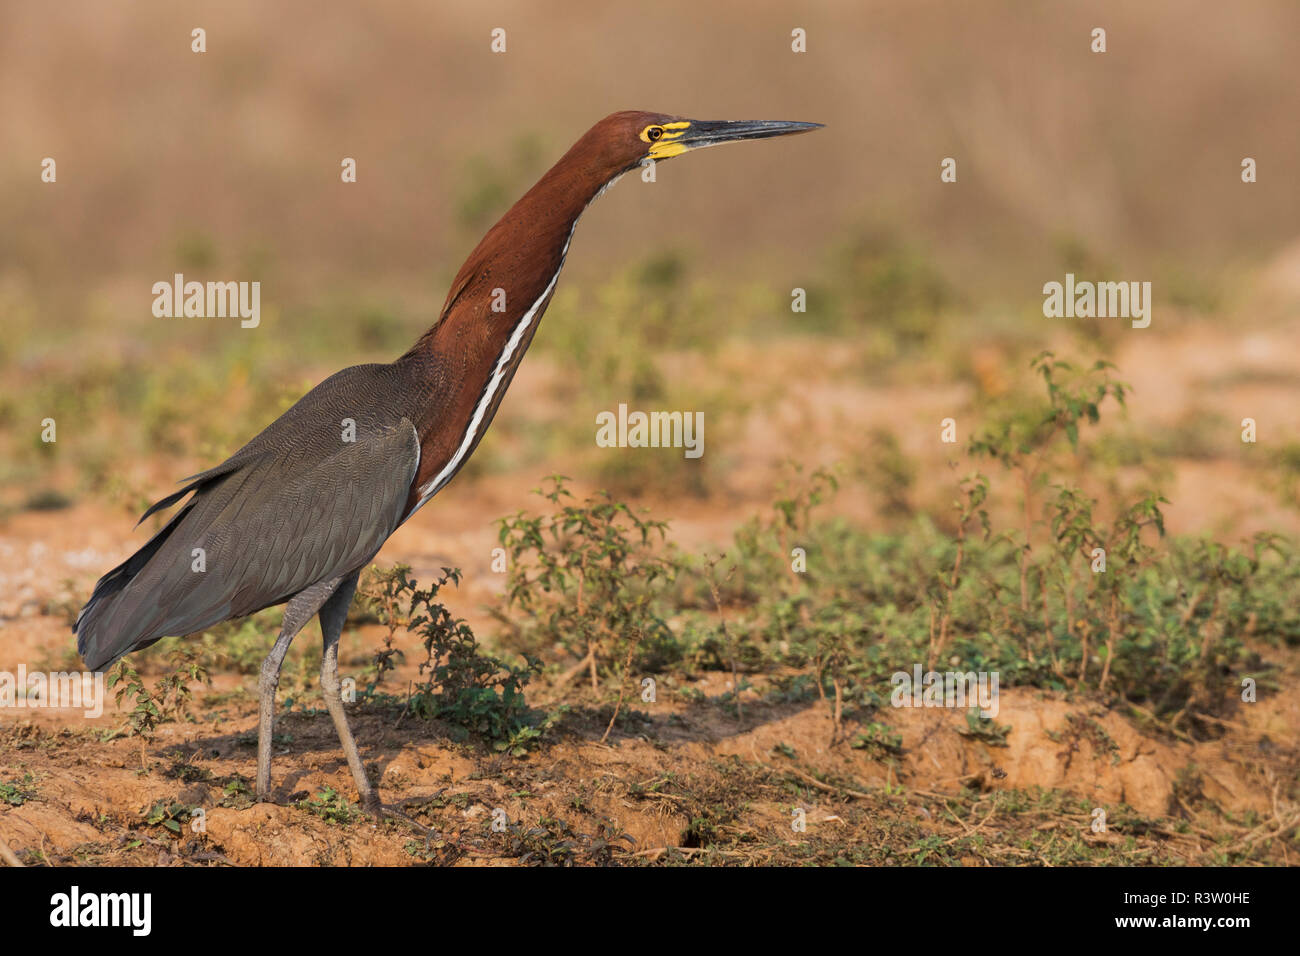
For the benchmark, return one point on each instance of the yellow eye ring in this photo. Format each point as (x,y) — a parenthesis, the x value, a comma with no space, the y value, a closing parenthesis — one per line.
(652,133)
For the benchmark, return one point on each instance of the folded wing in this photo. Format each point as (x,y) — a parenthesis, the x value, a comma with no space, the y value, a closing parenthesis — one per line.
(278,517)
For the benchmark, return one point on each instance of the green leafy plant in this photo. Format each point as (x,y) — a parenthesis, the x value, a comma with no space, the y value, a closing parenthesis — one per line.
(979,727)
(879,739)
(330,806)
(237,793)
(381,594)
(1023,438)
(461,684)
(170,816)
(168,701)
(587,574)
(18,792)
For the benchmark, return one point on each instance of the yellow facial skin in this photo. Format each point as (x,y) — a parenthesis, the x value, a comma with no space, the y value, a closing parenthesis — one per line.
(667,145)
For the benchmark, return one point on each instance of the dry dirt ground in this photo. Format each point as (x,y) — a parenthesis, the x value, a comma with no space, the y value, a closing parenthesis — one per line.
(673,780)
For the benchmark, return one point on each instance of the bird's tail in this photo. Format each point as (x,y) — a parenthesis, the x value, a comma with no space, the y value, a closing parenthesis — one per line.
(124,615)
(104,632)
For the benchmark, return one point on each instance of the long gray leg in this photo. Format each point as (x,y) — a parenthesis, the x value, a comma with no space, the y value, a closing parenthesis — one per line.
(297,613)
(332,615)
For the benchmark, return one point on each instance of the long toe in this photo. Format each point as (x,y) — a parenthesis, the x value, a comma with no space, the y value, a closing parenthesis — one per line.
(388,811)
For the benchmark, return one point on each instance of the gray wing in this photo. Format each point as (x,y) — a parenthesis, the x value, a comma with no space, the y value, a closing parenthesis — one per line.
(263,526)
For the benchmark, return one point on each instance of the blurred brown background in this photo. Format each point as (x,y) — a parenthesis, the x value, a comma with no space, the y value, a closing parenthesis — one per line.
(225,165)
(1134,152)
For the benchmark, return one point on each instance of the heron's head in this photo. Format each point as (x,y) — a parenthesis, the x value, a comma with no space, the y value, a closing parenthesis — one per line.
(630,138)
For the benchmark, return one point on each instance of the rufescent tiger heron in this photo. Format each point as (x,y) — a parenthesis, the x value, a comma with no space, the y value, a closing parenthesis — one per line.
(295,514)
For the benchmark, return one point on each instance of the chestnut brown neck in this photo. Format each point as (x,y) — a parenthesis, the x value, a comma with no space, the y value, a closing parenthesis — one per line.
(461,367)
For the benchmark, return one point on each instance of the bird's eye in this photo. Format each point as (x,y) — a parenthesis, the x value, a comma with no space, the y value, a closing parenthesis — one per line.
(654,132)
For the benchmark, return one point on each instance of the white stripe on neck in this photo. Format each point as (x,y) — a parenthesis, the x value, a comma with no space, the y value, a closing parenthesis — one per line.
(436,483)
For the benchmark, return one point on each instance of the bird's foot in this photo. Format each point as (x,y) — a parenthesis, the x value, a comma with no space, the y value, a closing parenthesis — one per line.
(372,806)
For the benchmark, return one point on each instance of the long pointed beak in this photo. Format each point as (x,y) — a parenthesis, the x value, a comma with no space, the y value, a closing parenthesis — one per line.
(715,132)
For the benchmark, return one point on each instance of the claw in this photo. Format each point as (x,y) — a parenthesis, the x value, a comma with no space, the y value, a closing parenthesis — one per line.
(381,811)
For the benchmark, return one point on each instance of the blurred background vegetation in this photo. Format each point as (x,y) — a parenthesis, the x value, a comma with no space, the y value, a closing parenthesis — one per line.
(924,298)
(226,165)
